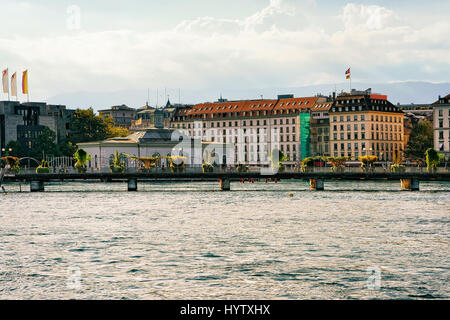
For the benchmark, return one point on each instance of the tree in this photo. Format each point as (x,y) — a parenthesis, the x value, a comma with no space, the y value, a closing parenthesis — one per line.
(432,158)
(17,149)
(420,139)
(86,126)
(113,131)
(67,148)
(45,144)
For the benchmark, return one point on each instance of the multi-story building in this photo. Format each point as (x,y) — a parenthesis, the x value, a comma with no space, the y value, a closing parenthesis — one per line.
(179,119)
(122,115)
(24,121)
(441,124)
(62,117)
(255,127)
(320,129)
(362,123)
(150,117)
(147,118)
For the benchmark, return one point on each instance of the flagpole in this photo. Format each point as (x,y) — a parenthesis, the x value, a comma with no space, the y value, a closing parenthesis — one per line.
(350,68)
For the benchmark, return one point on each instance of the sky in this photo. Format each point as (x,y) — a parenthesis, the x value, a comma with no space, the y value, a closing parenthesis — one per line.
(106,46)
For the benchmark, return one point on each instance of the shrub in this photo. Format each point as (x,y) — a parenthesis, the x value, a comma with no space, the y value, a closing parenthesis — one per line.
(432,158)
(43,167)
(397,167)
(13,163)
(117,165)
(242,168)
(367,161)
(337,162)
(177,163)
(207,167)
(82,157)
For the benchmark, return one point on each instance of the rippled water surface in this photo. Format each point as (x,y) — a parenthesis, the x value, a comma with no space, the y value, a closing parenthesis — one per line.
(192,241)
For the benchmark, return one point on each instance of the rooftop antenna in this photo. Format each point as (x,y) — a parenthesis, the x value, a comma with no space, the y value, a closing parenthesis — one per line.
(157,95)
(148,96)
(179,96)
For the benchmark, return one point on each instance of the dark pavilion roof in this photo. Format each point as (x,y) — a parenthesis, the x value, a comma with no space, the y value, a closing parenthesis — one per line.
(154,134)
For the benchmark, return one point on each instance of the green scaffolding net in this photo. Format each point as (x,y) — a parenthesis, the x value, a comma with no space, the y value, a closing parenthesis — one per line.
(305,150)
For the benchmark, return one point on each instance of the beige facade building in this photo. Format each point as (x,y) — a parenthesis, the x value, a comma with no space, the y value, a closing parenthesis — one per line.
(122,115)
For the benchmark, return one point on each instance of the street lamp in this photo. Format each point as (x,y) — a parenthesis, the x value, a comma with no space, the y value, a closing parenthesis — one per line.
(7,153)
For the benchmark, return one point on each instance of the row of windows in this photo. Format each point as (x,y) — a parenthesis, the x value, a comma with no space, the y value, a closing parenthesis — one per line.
(373,127)
(244,123)
(252,139)
(359,108)
(263,148)
(320,149)
(441,123)
(28,134)
(381,155)
(362,136)
(441,135)
(441,112)
(377,101)
(263,158)
(363,118)
(322,130)
(243,114)
(362,146)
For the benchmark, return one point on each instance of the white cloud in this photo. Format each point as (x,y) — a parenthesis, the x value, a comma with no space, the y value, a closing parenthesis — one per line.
(280,45)
(372,17)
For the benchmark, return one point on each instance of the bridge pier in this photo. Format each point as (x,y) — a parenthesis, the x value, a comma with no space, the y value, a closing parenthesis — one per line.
(224,184)
(132,184)
(316,184)
(410,184)
(36,186)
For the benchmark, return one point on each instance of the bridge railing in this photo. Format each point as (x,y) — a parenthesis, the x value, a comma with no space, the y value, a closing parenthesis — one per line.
(196,170)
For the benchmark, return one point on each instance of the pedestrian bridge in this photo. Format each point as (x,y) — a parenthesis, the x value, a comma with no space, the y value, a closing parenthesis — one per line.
(409,177)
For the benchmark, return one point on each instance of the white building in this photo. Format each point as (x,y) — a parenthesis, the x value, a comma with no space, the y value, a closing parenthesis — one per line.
(157,142)
(255,127)
(441,125)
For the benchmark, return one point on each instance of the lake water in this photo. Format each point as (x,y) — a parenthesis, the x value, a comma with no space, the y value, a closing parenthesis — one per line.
(360,240)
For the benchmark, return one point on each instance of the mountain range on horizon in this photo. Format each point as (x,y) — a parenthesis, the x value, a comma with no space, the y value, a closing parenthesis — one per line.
(407,92)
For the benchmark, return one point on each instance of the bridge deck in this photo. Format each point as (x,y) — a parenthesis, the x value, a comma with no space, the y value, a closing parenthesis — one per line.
(422,176)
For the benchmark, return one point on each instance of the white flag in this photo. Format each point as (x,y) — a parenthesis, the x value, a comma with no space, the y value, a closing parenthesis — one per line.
(14,85)
(5,81)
